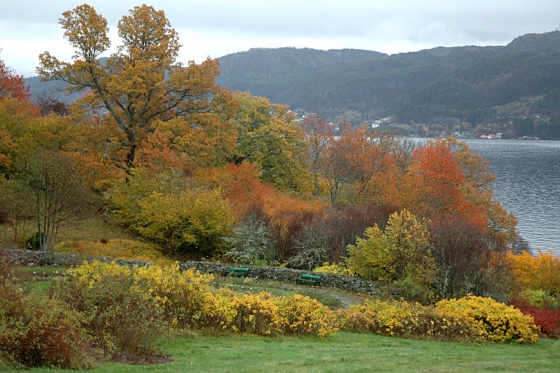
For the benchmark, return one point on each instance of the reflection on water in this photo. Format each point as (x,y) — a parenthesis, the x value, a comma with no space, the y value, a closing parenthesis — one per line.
(528,185)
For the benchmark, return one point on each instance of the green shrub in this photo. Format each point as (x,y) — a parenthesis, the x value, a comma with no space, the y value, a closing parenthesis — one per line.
(33,242)
(410,290)
(540,299)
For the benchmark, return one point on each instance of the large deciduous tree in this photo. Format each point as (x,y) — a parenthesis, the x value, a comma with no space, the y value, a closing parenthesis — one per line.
(269,138)
(447,180)
(354,168)
(140,85)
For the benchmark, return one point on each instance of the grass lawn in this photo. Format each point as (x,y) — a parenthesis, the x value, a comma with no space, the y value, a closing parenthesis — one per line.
(344,353)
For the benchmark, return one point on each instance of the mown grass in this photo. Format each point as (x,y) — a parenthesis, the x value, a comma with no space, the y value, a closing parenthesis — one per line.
(344,353)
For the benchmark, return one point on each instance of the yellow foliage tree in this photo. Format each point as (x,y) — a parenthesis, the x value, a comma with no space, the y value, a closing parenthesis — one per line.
(402,251)
(269,137)
(138,85)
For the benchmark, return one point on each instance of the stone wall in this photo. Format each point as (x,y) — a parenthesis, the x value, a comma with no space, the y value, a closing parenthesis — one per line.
(288,275)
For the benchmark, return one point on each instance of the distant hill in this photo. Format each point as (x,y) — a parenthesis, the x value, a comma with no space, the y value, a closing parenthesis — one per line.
(464,83)
(440,85)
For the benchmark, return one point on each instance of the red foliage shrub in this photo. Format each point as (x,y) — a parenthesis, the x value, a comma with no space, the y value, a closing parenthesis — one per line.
(36,331)
(547,318)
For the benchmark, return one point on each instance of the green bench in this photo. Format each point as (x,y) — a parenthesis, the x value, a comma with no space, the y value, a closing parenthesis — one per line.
(309,279)
(237,271)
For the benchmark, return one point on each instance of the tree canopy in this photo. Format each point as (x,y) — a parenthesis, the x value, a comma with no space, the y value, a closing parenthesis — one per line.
(138,85)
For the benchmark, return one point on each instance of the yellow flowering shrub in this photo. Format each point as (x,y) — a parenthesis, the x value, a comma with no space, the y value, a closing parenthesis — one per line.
(302,315)
(254,313)
(185,297)
(183,300)
(493,321)
(120,318)
(402,319)
(472,318)
(334,269)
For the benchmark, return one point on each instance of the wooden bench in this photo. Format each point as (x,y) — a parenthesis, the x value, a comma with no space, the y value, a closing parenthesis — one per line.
(309,279)
(237,271)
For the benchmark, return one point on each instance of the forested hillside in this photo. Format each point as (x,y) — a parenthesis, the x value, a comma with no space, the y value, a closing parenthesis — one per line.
(484,86)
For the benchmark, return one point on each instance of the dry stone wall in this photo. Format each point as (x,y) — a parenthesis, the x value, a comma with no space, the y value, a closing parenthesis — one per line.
(288,275)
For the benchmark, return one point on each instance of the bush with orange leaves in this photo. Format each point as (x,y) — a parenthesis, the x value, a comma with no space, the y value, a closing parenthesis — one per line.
(540,272)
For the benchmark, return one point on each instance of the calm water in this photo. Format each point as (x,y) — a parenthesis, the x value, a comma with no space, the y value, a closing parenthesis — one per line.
(528,185)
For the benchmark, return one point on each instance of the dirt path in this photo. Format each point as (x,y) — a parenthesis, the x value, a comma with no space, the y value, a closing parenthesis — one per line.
(346,298)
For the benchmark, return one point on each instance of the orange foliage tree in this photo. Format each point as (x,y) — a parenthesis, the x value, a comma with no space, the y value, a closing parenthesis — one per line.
(434,183)
(478,189)
(446,179)
(354,168)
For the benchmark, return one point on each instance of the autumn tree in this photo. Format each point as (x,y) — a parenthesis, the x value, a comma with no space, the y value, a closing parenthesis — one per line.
(269,137)
(354,168)
(342,161)
(446,179)
(536,272)
(436,183)
(401,251)
(16,111)
(12,84)
(138,85)
(319,136)
(479,190)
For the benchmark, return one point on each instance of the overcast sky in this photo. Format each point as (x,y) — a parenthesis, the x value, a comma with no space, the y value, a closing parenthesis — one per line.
(214,28)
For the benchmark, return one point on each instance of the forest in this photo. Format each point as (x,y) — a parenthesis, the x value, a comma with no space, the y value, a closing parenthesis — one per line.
(201,172)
